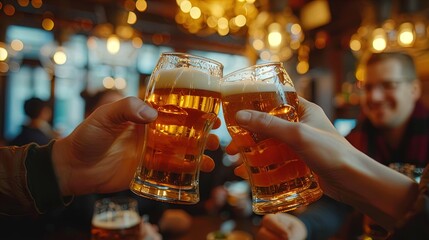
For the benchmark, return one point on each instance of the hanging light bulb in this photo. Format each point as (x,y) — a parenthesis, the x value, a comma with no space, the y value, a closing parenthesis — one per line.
(3,53)
(379,41)
(60,57)
(406,35)
(113,44)
(274,35)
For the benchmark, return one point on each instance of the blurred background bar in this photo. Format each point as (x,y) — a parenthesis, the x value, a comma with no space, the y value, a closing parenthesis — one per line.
(54,50)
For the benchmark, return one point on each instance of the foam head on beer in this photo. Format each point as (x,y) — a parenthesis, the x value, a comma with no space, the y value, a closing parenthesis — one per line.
(186,78)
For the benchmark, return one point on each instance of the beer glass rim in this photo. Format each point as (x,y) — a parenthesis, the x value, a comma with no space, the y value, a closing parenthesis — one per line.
(117,200)
(187,55)
(245,69)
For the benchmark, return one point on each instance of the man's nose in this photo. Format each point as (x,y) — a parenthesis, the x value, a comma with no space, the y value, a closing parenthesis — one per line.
(376,93)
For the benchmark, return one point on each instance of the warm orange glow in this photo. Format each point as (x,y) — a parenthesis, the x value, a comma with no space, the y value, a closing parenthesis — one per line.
(9,9)
(3,53)
(23,3)
(108,82)
(17,45)
(141,5)
(48,24)
(36,3)
(132,18)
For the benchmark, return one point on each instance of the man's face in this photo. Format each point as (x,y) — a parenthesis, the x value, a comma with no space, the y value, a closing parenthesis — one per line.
(388,97)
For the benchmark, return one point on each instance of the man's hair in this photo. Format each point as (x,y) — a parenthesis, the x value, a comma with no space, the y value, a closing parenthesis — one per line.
(33,107)
(406,61)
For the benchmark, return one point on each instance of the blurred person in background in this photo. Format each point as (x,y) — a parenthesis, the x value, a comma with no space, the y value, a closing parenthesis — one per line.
(38,128)
(393,128)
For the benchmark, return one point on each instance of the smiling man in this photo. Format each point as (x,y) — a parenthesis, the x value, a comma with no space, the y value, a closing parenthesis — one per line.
(394,127)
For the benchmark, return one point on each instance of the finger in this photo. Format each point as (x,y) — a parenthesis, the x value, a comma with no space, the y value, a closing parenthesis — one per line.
(212,142)
(260,122)
(217,123)
(241,171)
(275,224)
(207,164)
(127,109)
(232,148)
(265,234)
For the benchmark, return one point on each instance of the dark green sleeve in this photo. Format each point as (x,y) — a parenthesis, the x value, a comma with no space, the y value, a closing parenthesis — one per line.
(41,179)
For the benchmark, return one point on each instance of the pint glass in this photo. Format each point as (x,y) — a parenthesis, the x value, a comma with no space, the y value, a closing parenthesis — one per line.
(116,218)
(280,181)
(185,90)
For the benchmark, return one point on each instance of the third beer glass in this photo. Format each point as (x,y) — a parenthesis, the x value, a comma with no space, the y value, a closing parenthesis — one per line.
(185,91)
(116,218)
(280,181)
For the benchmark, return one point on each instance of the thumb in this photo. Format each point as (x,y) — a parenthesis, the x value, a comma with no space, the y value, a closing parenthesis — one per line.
(127,109)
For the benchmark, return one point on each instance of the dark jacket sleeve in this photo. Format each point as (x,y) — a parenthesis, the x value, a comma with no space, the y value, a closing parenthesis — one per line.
(28,183)
(324,218)
(416,223)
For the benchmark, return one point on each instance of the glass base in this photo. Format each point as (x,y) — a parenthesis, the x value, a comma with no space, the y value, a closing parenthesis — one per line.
(165,193)
(287,202)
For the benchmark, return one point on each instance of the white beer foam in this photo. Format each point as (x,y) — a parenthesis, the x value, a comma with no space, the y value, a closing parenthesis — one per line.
(250,86)
(187,78)
(106,220)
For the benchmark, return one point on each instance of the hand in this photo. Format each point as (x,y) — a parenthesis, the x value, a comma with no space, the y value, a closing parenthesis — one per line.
(99,156)
(149,232)
(217,200)
(175,222)
(314,139)
(281,226)
(344,173)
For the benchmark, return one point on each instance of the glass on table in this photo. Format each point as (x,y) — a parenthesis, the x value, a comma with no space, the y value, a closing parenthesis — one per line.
(116,218)
(184,89)
(280,181)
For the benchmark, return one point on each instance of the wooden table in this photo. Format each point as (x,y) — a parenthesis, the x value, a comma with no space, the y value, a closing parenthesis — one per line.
(202,225)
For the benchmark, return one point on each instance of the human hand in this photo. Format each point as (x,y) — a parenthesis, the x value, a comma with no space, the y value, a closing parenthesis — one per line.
(99,156)
(344,173)
(149,232)
(175,222)
(281,226)
(217,199)
(314,139)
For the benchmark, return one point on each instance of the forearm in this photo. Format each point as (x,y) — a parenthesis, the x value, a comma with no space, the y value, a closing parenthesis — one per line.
(376,190)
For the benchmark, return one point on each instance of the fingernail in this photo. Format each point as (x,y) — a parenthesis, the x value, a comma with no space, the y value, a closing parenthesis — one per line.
(148,113)
(243,117)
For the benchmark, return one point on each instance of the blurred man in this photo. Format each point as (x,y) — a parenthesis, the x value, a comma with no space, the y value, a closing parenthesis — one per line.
(37,129)
(393,128)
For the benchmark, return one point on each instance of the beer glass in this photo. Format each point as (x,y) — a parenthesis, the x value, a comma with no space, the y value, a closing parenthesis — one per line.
(279,180)
(116,218)
(185,91)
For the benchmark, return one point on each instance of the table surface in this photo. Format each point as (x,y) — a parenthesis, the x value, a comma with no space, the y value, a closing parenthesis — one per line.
(202,225)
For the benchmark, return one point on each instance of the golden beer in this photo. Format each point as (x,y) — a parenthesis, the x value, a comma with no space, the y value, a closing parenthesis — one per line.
(116,218)
(280,181)
(123,225)
(188,101)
